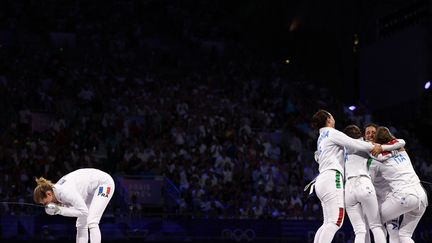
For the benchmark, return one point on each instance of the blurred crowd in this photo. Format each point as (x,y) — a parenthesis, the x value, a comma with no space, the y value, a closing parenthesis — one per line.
(228,128)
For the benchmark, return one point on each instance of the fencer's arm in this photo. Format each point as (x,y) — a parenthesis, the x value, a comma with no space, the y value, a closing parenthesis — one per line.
(389,147)
(78,207)
(351,144)
(380,157)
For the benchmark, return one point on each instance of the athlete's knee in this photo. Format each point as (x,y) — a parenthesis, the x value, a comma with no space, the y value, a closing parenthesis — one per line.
(339,223)
(358,227)
(333,227)
(82,235)
(392,226)
(405,239)
(360,236)
(328,231)
(360,232)
(375,225)
(93,225)
(404,233)
(393,235)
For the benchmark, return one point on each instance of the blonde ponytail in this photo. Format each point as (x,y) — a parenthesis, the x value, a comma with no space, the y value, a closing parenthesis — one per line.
(43,185)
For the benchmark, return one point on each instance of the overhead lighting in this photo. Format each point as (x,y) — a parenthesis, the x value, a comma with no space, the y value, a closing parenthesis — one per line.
(352,108)
(427,85)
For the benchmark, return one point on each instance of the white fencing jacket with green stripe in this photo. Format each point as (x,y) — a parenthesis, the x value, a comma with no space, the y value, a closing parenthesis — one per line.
(356,163)
(331,146)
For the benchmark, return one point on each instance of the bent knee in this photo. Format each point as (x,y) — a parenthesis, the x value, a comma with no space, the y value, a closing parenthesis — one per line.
(404,234)
(361,234)
(338,224)
(333,226)
(360,231)
(375,225)
(405,239)
(93,225)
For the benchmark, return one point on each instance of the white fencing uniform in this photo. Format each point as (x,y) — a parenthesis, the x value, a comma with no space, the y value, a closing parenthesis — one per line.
(407,195)
(360,198)
(85,193)
(329,183)
(382,189)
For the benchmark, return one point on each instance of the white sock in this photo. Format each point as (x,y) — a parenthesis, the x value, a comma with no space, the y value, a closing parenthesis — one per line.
(82,235)
(95,234)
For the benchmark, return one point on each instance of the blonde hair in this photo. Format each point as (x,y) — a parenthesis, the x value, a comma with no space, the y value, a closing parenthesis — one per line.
(43,185)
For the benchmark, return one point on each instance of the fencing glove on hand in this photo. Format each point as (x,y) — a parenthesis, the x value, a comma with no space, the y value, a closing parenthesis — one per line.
(52,209)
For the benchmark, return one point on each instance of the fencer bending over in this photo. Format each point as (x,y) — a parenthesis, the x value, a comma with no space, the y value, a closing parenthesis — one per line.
(84,193)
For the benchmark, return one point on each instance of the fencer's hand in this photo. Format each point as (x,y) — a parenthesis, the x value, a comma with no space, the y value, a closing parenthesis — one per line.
(376,150)
(52,209)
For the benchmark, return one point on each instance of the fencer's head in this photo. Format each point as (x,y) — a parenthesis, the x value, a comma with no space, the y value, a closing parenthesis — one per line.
(322,118)
(43,193)
(370,131)
(353,131)
(383,135)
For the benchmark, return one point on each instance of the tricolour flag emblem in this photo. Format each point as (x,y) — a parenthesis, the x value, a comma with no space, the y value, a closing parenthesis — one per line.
(104,191)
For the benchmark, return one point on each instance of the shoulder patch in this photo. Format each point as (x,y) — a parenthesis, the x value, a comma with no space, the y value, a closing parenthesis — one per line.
(61,181)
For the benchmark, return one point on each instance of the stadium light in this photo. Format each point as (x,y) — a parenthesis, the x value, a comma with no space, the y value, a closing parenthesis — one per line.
(352,108)
(427,85)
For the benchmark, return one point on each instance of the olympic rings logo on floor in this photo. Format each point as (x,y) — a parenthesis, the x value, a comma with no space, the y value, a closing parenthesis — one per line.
(238,234)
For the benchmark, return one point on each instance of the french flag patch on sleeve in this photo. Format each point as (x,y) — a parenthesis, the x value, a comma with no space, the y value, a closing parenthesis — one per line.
(104,191)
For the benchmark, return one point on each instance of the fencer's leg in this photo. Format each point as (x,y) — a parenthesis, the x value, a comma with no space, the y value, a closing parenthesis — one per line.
(95,234)
(96,209)
(318,233)
(355,215)
(371,210)
(379,234)
(336,216)
(367,234)
(330,191)
(393,230)
(367,237)
(409,223)
(82,230)
(328,232)
(390,211)
(82,235)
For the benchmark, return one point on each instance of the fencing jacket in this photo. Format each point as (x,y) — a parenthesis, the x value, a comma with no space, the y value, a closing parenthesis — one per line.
(76,190)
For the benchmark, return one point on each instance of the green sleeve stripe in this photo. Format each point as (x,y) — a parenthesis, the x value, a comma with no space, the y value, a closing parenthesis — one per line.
(369,162)
(338,180)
